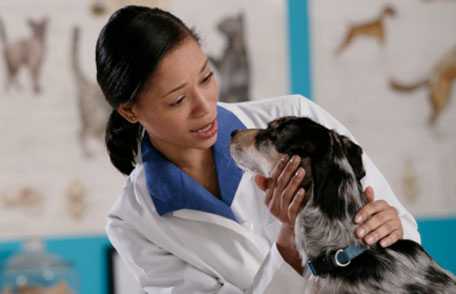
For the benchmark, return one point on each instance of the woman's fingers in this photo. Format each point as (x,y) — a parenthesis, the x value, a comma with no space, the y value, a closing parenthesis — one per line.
(370,209)
(364,212)
(276,171)
(282,198)
(278,168)
(296,205)
(382,231)
(369,193)
(378,214)
(379,222)
(392,238)
(293,185)
(288,171)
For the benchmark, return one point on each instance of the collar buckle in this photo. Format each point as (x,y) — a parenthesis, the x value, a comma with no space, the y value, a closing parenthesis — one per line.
(327,263)
(341,259)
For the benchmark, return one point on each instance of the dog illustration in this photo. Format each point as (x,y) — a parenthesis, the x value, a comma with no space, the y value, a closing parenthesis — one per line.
(93,109)
(439,84)
(335,260)
(233,66)
(374,28)
(28,52)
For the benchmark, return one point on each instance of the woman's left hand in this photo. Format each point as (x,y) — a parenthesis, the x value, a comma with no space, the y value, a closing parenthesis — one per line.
(378,221)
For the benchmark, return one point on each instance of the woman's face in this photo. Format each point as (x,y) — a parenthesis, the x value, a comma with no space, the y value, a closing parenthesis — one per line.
(178,106)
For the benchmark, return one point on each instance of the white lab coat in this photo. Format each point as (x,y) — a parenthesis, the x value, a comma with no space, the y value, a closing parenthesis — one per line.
(191,251)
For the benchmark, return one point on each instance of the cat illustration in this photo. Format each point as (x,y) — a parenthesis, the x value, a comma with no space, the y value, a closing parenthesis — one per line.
(28,52)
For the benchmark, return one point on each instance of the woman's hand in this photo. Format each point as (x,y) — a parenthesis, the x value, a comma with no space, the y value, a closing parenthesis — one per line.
(284,198)
(378,221)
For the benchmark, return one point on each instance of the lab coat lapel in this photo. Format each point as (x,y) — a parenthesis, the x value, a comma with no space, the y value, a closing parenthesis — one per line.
(228,173)
(201,216)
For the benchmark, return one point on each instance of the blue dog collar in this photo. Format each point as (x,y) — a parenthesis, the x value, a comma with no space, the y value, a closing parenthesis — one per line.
(324,264)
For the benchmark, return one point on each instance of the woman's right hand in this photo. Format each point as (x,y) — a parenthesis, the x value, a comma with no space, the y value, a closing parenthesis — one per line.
(284,197)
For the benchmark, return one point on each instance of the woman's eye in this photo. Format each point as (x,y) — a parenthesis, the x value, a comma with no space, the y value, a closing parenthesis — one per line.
(178,101)
(207,78)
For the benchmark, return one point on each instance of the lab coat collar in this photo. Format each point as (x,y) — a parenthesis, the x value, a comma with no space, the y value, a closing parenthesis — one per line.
(171,189)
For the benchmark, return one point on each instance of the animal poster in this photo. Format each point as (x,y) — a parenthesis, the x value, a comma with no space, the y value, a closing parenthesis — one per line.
(246,42)
(387,70)
(56,177)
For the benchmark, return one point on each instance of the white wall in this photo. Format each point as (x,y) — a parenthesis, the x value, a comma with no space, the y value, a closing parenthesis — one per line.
(391,127)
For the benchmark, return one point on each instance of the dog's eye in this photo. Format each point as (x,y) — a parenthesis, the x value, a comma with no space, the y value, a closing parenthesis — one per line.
(261,136)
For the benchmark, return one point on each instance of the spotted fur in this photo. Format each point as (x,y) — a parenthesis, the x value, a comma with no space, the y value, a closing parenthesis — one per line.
(334,168)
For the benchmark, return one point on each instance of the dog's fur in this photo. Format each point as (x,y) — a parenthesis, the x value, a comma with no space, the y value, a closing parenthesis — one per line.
(374,28)
(334,168)
(439,84)
(28,52)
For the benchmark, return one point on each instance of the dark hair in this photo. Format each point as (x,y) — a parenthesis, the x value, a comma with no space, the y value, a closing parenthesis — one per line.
(129,48)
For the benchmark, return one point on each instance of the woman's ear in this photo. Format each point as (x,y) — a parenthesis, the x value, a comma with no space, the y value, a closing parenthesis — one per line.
(127,112)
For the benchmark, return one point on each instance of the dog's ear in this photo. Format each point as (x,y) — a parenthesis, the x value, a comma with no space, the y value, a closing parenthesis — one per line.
(302,136)
(326,193)
(354,155)
(303,149)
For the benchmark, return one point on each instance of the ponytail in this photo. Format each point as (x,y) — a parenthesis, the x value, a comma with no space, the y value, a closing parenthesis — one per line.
(122,138)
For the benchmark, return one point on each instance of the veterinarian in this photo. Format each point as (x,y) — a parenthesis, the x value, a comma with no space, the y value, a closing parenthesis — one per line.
(188,219)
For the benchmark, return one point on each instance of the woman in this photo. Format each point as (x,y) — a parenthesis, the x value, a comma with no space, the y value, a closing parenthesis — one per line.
(189,220)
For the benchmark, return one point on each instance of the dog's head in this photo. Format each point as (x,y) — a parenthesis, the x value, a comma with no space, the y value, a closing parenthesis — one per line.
(327,157)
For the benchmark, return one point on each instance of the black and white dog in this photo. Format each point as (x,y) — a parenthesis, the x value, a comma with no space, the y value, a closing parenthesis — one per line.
(336,261)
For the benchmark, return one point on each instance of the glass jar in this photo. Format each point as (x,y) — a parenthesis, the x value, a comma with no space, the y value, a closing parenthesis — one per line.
(35,271)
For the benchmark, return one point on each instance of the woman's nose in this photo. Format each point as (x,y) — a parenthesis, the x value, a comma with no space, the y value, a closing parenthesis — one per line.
(233,133)
(201,104)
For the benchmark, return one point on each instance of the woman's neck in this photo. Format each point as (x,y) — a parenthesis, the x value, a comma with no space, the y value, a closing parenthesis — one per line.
(197,163)
(188,159)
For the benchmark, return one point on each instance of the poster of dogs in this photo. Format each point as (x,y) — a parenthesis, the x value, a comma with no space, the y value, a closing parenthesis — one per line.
(387,70)
(56,175)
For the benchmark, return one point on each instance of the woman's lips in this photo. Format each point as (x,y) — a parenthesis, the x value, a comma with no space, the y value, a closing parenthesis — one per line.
(206,131)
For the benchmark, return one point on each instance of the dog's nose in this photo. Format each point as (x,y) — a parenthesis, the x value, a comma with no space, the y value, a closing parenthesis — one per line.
(233,133)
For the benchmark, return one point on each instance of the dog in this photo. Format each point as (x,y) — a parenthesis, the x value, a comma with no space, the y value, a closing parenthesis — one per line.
(335,261)
(439,84)
(28,52)
(374,28)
